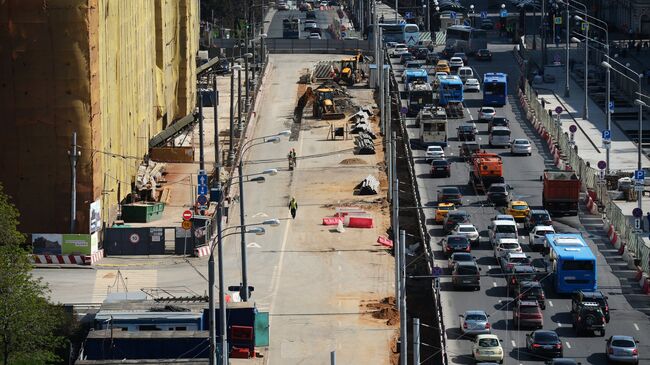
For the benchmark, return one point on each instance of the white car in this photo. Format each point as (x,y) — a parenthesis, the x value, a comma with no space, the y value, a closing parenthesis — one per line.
(487,348)
(435,152)
(314,36)
(467,230)
(390,44)
(521,146)
(398,50)
(504,217)
(440,73)
(456,62)
(472,85)
(505,245)
(282,6)
(536,237)
(486,113)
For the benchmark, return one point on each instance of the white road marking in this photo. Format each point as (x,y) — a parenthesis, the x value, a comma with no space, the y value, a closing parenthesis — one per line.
(550,303)
(253,245)
(489,267)
(636,327)
(568,345)
(514,344)
(559,324)
(494,284)
(276,279)
(339,267)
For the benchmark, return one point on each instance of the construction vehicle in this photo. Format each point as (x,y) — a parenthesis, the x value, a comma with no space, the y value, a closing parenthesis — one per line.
(322,99)
(561,192)
(485,169)
(350,72)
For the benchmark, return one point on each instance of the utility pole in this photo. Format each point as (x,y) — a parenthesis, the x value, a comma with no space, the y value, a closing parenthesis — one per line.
(217,156)
(403,316)
(74,157)
(239,121)
(243,290)
(201,154)
(416,341)
(566,86)
(231,152)
(543,32)
(396,245)
(585,110)
(396,13)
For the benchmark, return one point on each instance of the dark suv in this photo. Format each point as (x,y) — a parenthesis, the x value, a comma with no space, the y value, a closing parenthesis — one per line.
(597,296)
(588,317)
(466,274)
(537,217)
(531,290)
(498,194)
(453,218)
(498,122)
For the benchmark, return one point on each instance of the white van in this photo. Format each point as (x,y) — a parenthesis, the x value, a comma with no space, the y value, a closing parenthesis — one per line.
(500,136)
(465,73)
(502,229)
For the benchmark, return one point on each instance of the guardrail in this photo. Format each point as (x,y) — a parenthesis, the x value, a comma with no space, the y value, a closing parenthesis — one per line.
(337,46)
(588,175)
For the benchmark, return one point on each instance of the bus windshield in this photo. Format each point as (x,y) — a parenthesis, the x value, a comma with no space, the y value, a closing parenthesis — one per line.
(497,88)
(454,87)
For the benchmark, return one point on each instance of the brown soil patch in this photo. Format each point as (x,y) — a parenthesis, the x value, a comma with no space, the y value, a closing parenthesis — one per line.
(384,310)
(301,90)
(353,161)
(375,204)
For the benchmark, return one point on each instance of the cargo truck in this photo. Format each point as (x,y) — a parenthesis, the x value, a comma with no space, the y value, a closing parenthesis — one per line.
(561,192)
(485,169)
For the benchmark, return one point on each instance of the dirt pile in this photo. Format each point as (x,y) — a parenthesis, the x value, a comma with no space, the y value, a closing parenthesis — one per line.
(353,161)
(384,310)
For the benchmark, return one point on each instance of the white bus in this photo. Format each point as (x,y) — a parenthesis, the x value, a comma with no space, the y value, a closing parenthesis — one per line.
(433,126)
(466,39)
(408,34)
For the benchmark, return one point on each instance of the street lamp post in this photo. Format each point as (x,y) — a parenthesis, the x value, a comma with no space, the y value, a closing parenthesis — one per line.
(566,66)
(471,8)
(231,142)
(246,83)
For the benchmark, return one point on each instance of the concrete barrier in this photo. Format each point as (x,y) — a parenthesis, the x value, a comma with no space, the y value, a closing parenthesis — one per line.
(67,259)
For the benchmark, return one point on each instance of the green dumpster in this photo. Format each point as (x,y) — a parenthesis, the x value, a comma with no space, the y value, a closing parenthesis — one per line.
(142,212)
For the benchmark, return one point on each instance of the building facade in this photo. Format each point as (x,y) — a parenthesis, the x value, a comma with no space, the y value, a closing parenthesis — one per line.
(116,72)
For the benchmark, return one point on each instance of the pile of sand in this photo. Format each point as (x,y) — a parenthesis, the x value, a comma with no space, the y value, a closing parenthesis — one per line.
(353,161)
(385,309)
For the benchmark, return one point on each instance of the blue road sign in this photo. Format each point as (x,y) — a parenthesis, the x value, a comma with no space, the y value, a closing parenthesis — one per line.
(637,212)
(639,175)
(202,178)
(408,15)
(452,15)
(602,164)
(467,22)
(503,13)
(437,271)
(484,15)
(611,106)
(202,189)
(202,200)
(607,134)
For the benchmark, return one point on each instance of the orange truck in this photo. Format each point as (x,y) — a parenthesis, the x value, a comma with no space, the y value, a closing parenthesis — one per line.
(485,169)
(561,192)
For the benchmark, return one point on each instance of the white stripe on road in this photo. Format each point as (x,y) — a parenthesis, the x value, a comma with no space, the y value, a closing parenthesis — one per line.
(494,284)
(559,324)
(550,303)
(636,327)
(514,344)
(489,267)
(568,345)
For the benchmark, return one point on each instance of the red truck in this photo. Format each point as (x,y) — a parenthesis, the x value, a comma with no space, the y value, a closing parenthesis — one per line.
(561,192)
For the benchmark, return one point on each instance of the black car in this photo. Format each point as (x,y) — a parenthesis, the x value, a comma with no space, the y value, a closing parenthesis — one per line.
(405,57)
(537,217)
(588,317)
(594,296)
(487,24)
(498,122)
(544,343)
(484,55)
(531,290)
(310,14)
(520,273)
(421,53)
(432,58)
(453,218)
(498,194)
(448,51)
(466,133)
(450,194)
(466,275)
(463,56)
(562,361)
(455,243)
(467,149)
(440,168)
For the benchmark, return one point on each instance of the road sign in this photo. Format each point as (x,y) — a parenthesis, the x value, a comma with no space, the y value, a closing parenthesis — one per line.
(611,106)
(607,134)
(637,223)
(466,22)
(557,58)
(134,238)
(558,20)
(503,13)
(639,175)
(187,215)
(602,164)
(558,109)
(404,110)
(639,187)
(584,26)
(573,128)
(202,199)
(452,15)
(187,225)
(343,34)
(437,271)
(601,174)
(484,15)
(637,212)
(202,178)
(202,189)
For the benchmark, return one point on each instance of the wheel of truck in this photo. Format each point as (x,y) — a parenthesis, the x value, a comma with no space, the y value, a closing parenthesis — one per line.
(602,333)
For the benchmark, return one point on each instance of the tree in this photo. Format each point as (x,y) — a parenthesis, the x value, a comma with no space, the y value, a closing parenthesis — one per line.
(27,321)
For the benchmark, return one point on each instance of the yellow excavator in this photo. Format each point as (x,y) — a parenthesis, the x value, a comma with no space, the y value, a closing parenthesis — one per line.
(322,101)
(350,71)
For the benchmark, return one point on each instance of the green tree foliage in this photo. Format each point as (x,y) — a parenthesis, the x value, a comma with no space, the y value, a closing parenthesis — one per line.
(27,321)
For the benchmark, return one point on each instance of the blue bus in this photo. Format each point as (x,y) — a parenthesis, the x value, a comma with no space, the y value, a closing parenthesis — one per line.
(450,90)
(411,75)
(572,262)
(419,95)
(495,89)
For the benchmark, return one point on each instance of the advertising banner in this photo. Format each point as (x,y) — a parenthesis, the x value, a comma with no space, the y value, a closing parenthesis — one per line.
(76,244)
(47,243)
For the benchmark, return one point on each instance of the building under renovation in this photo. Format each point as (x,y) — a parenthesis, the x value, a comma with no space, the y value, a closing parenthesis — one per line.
(116,72)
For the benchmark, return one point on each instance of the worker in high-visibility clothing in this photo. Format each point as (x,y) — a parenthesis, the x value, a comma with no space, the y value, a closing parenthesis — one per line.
(293,207)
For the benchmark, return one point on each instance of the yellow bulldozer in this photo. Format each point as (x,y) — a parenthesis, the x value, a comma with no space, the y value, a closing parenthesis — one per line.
(350,72)
(323,104)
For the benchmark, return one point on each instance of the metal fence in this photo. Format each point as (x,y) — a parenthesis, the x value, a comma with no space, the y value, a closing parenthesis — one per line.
(588,176)
(336,46)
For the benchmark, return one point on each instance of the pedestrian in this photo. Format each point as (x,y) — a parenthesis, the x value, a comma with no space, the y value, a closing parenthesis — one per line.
(550,113)
(638,47)
(648,216)
(543,103)
(293,207)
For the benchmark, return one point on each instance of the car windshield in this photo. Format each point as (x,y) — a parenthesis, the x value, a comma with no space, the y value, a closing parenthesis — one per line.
(462,257)
(509,246)
(623,343)
(475,317)
(546,337)
(488,342)
(467,270)
(532,291)
(520,207)
(518,260)
(457,240)
(466,229)
(497,189)
(450,191)
(541,217)
(446,208)
(505,228)
(487,110)
(544,232)
(501,132)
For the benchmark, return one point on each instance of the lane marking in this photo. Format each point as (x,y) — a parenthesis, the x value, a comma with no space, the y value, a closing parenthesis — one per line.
(550,303)
(276,279)
(514,344)
(489,267)
(636,327)
(568,345)
(559,324)
(494,284)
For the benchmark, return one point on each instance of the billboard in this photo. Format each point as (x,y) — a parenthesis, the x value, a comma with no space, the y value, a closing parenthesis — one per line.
(95,216)
(47,243)
(76,244)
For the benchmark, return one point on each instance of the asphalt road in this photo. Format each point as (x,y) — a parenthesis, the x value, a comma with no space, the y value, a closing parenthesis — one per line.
(323,17)
(523,173)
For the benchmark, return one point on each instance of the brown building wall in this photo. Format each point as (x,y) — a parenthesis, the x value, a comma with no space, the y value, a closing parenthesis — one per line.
(112,71)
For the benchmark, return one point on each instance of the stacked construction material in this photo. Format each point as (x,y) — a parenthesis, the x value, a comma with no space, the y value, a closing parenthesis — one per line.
(364,144)
(369,186)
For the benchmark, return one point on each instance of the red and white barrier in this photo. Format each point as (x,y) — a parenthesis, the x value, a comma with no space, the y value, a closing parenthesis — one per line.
(68,259)
(202,251)
(613,236)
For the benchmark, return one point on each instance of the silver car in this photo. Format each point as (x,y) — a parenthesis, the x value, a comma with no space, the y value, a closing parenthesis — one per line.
(475,322)
(622,349)
(521,146)
(486,113)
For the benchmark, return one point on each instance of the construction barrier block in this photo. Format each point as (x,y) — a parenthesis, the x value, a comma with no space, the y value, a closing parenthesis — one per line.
(385,241)
(240,353)
(361,222)
(331,221)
